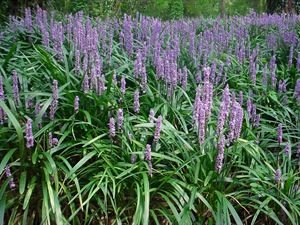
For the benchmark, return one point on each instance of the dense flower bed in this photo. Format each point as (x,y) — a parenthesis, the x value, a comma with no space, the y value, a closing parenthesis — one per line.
(140,121)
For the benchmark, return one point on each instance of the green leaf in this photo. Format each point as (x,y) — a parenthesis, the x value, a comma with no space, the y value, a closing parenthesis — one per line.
(147,199)
(22,183)
(5,159)
(16,124)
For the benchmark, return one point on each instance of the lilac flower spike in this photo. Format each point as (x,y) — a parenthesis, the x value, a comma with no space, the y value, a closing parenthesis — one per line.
(287,149)
(133,158)
(2,113)
(8,174)
(148,153)
(151,116)
(85,85)
(298,150)
(224,110)
(29,136)
(279,134)
(16,87)
(157,129)
(120,119)
(112,128)
(201,122)
(297,90)
(148,158)
(220,156)
(136,103)
(50,139)
(277,176)
(54,102)
(76,104)
(123,85)
(54,141)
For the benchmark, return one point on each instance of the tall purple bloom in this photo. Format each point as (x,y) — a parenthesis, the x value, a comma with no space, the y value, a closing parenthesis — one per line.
(151,116)
(298,62)
(238,122)
(265,76)
(2,113)
(54,102)
(220,156)
(291,55)
(120,119)
(76,104)
(297,90)
(16,87)
(184,78)
(29,135)
(112,128)
(298,150)
(136,103)
(279,134)
(206,71)
(201,122)
(287,149)
(8,174)
(85,84)
(133,158)
(232,121)
(224,110)
(50,139)
(123,85)
(277,176)
(148,153)
(148,158)
(157,129)
(241,98)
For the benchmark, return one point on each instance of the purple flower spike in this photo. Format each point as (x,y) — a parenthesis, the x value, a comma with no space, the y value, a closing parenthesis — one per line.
(157,129)
(298,150)
(298,63)
(112,128)
(148,153)
(16,87)
(201,122)
(54,102)
(1,89)
(277,176)
(133,158)
(249,107)
(8,174)
(287,149)
(50,139)
(151,116)
(2,113)
(123,85)
(149,158)
(136,103)
(241,98)
(297,90)
(279,134)
(224,110)
(120,119)
(238,122)
(220,156)
(54,141)
(76,104)
(85,84)
(207,72)
(29,136)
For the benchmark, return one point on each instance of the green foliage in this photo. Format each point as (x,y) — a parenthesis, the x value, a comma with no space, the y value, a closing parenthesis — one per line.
(176,9)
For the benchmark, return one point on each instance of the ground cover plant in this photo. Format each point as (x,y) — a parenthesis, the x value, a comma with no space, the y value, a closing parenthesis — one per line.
(143,121)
